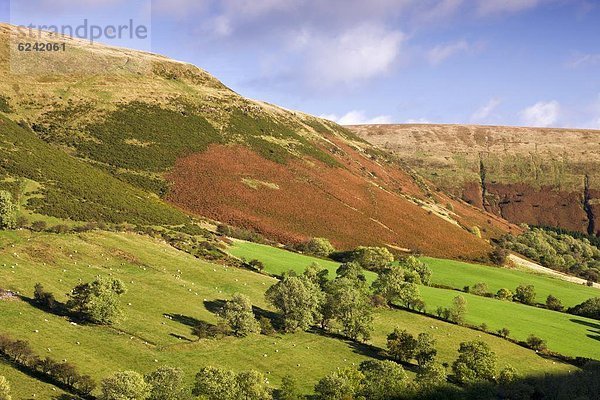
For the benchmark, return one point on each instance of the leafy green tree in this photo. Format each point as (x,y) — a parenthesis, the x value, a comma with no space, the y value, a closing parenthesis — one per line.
(507,375)
(401,345)
(589,308)
(317,274)
(127,385)
(320,247)
(167,383)
(98,301)
(289,389)
(252,385)
(339,385)
(351,270)
(504,294)
(525,294)
(216,384)
(476,362)
(412,263)
(383,380)
(299,299)
(458,310)
(425,351)
(373,258)
(4,389)
(8,211)
(553,303)
(238,314)
(480,289)
(431,376)
(349,303)
(389,283)
(536,343)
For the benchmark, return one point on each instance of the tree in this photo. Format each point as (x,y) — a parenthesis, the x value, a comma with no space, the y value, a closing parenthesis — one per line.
(479,289)
(86,384)
(589,308)
(373,258)
(349,303)
(401,345)
(536,343)
(412,263)
(299,300)
(42,298)
(389,283)
(317,274)
(525,294)
(425,351)
(431,376)
(320,247)
(238,314)
(458,310)
(339,385)
(553,303)
(351,270)
(98,301)
(8,211)
(504,332)
(507,375)
(216,384)
(167,383)
(127,385)
(504,294)
(476,362)
(289,389)
(383,380)
(498,256)
(252,385)
(4,389)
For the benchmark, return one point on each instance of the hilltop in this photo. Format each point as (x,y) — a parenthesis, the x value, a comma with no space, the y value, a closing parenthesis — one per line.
(540,176)
(171,136)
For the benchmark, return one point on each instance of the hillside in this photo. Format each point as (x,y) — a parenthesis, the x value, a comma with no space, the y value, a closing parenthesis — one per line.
(538,176)
(194,146)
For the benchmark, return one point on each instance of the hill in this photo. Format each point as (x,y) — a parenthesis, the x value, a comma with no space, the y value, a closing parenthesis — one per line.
(163,282)
(179,142)
(538,176)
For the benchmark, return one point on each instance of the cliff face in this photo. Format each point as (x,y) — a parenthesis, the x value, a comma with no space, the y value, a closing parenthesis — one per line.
(536,176)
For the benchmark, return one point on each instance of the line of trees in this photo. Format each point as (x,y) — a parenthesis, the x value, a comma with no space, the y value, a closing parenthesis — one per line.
(64,373)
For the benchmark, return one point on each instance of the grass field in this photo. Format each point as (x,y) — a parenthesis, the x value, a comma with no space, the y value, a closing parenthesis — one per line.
(161,281)
(565,333)
(25,387)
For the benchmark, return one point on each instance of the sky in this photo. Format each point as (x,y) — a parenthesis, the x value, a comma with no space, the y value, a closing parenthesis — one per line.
(493,62)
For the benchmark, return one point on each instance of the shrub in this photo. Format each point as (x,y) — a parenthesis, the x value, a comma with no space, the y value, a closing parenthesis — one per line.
(458,310)
(266,327)
(125,385)
(320,247)
(401,345)
(525,294)
(167,383)
(553,303)
(498,256)
(373,258)
(504,294)
(536,343)
(504,332)
(479,289)
(8,211)
(238,314)
(589,308)
(38,226)
(42,298)
(97,301)
(4,389)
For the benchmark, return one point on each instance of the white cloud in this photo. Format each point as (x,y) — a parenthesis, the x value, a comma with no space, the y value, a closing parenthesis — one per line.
(442,52)
(483,113)
(541,114)
(357,54)
(358,117)
(491,7)
(583,60)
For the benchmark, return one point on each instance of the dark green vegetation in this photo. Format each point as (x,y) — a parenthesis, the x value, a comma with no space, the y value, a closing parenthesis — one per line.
(72,189)
(589,308)
(561,252)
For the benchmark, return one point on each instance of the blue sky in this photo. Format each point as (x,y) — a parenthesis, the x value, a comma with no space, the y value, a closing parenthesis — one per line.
(500,62)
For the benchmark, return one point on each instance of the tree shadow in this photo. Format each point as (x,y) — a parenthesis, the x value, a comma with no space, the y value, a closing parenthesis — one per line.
(589,324)
(184,319)
(59,309)
(180,337)
(214,306)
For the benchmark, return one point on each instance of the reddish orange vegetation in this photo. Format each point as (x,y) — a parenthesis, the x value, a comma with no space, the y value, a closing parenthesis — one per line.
(355,205)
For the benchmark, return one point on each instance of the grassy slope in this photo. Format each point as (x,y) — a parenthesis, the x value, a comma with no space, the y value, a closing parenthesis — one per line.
(146,339)
(24,387)
(564,333)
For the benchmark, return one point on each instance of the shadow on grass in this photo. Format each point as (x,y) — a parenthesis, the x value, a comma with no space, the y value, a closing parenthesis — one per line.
(214,306)
(184,319)
(589,324)
(59,309)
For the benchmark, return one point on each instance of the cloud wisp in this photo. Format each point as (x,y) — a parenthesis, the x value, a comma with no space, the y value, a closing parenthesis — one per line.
(541,114)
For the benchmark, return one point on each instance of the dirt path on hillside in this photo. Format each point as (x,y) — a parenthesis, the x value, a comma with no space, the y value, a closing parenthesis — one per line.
(538,268)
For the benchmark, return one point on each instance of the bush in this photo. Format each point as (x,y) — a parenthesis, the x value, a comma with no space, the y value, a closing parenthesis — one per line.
(319,247)
(266,327)
(536,343)
(479,289)
(238,314)
(553,303)
(373,258)
(476,362)
(457,312)
(498,256)
(125,385)
(504,294)
(525,294)
(42,298)
(589,308)
(97,301)
(8,211)
(4,389)
(504,332)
